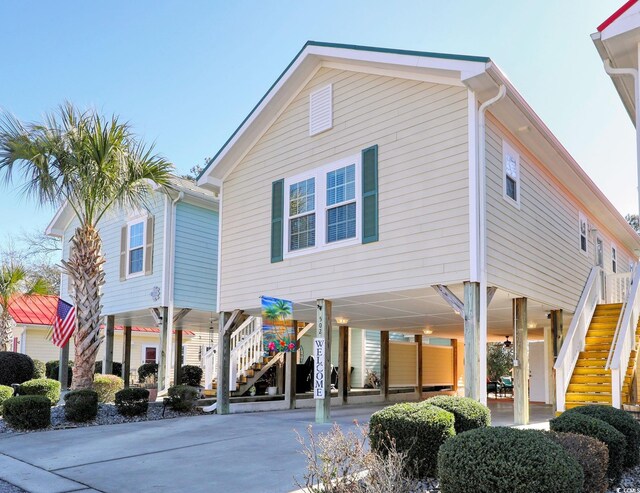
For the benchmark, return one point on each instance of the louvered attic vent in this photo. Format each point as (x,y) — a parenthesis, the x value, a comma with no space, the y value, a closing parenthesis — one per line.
(320,110)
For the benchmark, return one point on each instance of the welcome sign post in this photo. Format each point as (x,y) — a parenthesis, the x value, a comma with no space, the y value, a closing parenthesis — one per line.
(322,362)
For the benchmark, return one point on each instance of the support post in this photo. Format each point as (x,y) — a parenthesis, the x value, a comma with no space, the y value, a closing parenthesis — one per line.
(521,363)
(224,360)
(177,365)
(344,364)
(63,367)
(165,334)
(323,367)
(454,345)
(472,340)
(556,331)
(291,367)
(384,364)
(107,364)
(418,339)
(126,356)
(549,376)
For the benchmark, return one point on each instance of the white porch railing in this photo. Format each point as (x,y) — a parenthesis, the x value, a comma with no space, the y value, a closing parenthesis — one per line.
(246,349)
(624,339)
(618,286)
(575,339)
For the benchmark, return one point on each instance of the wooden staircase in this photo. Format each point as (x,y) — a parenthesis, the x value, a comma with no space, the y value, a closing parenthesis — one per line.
(590,382)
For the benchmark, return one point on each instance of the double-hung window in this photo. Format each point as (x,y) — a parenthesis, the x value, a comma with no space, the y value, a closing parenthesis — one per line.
(135,247)
(323,207)
(614,259)
(584,230)
(511,174)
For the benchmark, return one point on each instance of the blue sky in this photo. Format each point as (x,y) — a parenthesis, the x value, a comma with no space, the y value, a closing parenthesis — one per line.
(186,73)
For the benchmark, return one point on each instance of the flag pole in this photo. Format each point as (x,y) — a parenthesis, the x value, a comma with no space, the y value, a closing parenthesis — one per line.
(63,369)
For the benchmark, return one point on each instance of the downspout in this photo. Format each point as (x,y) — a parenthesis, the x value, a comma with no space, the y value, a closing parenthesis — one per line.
(482,195)
(636,84)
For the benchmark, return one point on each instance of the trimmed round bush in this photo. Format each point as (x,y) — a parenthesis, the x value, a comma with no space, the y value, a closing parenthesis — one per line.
(182,397)
(40,369)
(598,429)
(52,368)
(504,460)
(27,412)
(191,375)
(469,413)
(106,386)
(621,421)
(81,405)
(132,401)
(15,368)
(147,370)
(591,454)
(417,429)
(116,368)
(42,386)
(5,393)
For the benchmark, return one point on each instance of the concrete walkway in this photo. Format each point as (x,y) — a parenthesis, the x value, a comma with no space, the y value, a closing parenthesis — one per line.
(244,453)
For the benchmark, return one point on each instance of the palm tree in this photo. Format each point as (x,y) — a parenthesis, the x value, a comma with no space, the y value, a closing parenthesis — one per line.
(14,281)
(92,164)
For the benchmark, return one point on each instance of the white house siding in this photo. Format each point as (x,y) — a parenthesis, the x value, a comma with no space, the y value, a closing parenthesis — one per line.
(196,257)
(535,251)
(131,294)
(421,131)
(372,351)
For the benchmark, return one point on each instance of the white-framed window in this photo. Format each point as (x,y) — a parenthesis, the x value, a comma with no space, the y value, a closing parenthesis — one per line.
(614,259)
(150,353)
(583,228)
(136,233)
(510,174)
(322,208)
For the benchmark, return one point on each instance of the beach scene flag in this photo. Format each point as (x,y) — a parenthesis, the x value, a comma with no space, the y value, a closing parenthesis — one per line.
(277,325)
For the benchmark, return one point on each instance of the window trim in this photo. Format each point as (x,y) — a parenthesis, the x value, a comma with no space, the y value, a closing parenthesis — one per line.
(509,149)
(132,222)
(614,258)
(144,347)
(582,218)
(320,206)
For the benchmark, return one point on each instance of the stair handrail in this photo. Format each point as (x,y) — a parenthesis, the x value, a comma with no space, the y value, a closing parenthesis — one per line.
(249,350)
(624,339)
(618,286)
(575,339)
(210,363)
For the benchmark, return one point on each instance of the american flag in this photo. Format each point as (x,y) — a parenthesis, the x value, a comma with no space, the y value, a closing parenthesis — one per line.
(64,323)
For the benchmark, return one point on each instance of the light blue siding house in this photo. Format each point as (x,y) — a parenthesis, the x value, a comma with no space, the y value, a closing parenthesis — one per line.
(160,276)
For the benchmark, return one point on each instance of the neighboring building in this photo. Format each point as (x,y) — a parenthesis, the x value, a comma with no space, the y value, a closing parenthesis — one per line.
(160,271)
(419,193)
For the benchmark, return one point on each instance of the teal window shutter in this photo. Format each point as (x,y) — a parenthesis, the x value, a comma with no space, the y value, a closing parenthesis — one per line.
(370,194)
(277,218)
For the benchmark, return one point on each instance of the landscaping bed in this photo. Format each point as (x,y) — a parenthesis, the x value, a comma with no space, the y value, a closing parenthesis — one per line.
(107,415)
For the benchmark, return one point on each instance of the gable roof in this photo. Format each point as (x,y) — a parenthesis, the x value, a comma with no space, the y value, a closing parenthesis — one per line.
(616,15)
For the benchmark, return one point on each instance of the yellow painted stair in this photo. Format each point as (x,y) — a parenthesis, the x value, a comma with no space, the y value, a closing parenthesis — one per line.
(590,382)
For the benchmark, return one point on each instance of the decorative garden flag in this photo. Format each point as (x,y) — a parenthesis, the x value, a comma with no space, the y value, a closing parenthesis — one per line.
(277,325)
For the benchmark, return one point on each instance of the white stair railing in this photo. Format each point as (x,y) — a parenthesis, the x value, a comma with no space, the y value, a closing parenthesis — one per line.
(210,363)
(575,340)
(618,286)
(624,339)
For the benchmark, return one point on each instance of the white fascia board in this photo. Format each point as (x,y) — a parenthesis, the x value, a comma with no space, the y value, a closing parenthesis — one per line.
(59,222)
(629,21)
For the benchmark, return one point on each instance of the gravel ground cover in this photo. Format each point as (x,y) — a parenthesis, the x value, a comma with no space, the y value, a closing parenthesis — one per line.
(9,488)
(107,415)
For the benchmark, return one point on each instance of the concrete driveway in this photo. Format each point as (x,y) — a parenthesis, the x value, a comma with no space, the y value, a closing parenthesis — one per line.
(244,453)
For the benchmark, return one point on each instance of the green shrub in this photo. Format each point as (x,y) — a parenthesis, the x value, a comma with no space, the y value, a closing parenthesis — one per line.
(106,386)
(116,368)
(506,460)
(81,405)
(27,412)
(147,370)
(591,454)
(182,397)
(5,393)
(42,386)
(52,372)
(417,429)
(598,429)
(469,413)
(621,421)
(191,375)
(132,401)
(40,369)
(15,368)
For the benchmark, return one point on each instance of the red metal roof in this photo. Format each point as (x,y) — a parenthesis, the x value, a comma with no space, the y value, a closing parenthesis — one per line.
(616,15)
(41,310)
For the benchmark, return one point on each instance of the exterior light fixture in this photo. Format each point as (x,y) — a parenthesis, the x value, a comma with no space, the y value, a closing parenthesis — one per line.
(427,332)
(342,321)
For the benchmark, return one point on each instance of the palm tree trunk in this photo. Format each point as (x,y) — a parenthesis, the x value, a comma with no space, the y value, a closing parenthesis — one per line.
(87,277)
(6,330)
